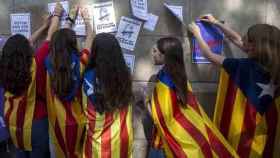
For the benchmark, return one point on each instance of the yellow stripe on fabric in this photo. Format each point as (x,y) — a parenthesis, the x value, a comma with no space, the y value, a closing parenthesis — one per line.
(13,122)
(99,124)
(79,116)
(130,131)
(259,140)
(221,95)
(237,119)
(180,135)
(216,131)
(166,148)
(115,135)
(276,151)
(30,107)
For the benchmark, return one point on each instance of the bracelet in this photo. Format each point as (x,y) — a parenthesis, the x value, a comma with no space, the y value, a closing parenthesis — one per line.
(57,15)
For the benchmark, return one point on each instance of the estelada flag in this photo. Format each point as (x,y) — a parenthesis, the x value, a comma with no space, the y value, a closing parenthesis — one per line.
(19,112)
(247,109)
(108,134)
(66,115)
(185,130)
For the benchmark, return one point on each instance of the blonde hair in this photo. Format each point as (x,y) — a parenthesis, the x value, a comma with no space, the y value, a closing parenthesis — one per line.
(265,39)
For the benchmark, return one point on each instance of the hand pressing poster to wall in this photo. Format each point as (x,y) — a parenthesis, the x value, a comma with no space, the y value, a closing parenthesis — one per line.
(21,24)
(213,37)
(128,32)
(104,17)
(65,5)
(79,26)
(139,9)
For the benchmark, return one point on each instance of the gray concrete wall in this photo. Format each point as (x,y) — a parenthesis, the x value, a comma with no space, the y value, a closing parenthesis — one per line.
(240,14)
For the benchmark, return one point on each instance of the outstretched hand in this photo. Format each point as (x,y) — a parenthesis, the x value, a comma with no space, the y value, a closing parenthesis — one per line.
(194,29)
(209,18)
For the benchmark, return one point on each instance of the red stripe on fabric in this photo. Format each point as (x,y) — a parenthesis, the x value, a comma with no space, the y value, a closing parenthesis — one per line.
(248,131)
(176,149)
(191,99)
(271,121)
(91,118)
(9,111)
(71,130)
(21,110)
(59,137)
(106,137)
(228,108)
(189,127)
(124,137)
(217,145)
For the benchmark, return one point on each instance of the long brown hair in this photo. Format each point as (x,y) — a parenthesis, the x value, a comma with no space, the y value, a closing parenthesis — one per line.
(15,65)
(266,42)
(174,64)
(63,44)
(112,73)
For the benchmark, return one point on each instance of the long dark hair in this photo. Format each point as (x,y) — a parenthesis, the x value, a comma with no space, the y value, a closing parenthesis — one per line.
(112,73)
(174,64)
(63,44)
(266,40)
(15,65)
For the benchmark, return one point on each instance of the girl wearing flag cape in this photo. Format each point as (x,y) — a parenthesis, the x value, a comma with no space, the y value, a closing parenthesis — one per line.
(182,127)
(107,97)
(65,66)
(23,80)
(247,108)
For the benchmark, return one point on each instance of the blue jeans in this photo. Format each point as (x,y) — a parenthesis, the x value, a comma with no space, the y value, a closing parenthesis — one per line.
(155,153)
(40,141)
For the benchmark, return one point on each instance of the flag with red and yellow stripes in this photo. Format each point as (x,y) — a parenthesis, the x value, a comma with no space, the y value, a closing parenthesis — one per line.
(108,134)
(186,130)
(66,122)
(247,111)
(19,112)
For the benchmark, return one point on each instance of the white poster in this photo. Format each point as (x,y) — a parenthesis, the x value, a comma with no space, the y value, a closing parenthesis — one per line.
(128,32)
(129,60)
(65,5)
(104,17)
(21,24)
(139,9)
(151,23)
(177,11)
(79,26)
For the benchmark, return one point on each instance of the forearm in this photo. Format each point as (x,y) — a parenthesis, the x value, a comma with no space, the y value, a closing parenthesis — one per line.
(90,34)
(34,37)
(53,27)
(229,32)
(207,52)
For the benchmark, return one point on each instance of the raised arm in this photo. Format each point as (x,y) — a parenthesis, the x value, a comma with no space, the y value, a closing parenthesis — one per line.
(54,21)
(34,37)
(206,51)
(232,35)
(90,34)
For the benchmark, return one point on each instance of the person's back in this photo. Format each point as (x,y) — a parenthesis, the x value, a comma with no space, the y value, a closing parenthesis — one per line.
(107,95)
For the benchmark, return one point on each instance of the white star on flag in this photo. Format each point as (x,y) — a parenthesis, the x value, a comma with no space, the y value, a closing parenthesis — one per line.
(267,89)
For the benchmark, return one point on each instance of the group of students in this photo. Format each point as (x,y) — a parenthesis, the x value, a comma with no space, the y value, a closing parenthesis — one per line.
(80,103)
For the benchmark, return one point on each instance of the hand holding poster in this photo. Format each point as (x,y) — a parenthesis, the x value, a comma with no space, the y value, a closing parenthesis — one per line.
(65,5)
(177,11)
(104,17)
(213,37)
(139,9)
(128,32)
(79,26)
(20,24)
